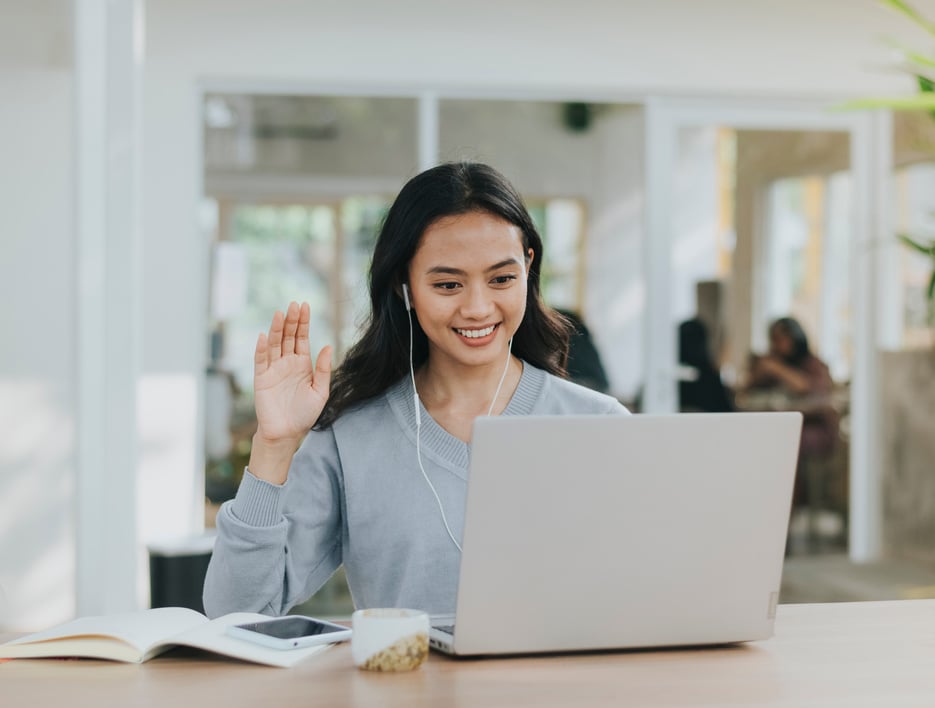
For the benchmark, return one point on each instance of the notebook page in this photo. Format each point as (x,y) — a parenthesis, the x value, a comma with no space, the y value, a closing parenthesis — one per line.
(139,629)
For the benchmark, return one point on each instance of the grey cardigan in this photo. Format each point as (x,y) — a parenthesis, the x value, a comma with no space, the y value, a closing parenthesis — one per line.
(355,495)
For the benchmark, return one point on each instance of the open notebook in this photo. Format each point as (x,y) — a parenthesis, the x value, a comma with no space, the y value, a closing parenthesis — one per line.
(139,636)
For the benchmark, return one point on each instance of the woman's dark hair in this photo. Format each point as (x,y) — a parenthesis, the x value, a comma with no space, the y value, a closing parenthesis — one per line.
(790,327)
(381,356)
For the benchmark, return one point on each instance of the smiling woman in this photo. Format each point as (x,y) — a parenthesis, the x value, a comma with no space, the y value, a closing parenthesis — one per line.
(371,472)
(462,217)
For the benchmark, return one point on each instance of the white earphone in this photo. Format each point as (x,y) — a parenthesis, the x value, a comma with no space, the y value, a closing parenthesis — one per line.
(416,403)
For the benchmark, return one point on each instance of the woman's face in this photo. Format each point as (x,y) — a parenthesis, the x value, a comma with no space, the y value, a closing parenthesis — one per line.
(468,286)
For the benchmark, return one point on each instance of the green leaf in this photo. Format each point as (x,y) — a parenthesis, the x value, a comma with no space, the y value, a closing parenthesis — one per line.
(919,59)
(911,13)
(917,245)
(910,55)
(926,85)
(931,290)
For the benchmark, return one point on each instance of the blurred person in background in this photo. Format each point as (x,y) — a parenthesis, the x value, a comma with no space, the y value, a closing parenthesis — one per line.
(584,362)
(700,385)
(802,382)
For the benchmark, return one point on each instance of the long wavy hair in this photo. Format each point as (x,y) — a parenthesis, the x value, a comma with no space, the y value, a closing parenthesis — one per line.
(381,356)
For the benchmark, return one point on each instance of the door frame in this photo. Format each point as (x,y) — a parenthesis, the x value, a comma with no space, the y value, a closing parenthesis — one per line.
(872,265)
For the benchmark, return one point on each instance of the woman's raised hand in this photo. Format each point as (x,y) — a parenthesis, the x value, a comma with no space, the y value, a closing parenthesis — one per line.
(289,393)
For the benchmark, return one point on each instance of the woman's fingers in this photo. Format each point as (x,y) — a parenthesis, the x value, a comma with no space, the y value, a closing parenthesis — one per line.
(260,355)
(275,336)
(291,325)
(322,380)
(301,335)
(288,334)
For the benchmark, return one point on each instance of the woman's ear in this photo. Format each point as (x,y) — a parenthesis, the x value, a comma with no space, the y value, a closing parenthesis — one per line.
(530,257)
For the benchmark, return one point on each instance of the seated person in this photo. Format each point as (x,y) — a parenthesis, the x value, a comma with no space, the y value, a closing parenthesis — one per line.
(791,368)
(371,472)
(584,361)
(702,390)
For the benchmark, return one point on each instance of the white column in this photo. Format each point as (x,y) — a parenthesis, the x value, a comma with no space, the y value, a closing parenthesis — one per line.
(872,157)
(428,130)
(108,63)
(660,392)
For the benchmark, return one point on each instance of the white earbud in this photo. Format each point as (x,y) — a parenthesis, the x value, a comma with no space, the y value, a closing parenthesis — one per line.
(406,299)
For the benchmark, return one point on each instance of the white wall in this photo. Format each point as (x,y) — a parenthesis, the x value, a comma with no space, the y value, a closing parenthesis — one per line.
(37,392)
(37,288)
(750,47)
(616,294)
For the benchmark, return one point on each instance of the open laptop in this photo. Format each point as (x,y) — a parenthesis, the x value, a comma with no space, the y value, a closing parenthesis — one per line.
(609,532)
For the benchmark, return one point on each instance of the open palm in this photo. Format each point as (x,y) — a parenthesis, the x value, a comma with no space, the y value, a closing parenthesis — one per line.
(289,393)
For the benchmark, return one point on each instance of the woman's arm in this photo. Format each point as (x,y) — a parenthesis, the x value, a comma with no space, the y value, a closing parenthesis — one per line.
(279,534)
(771,368)
(277,544)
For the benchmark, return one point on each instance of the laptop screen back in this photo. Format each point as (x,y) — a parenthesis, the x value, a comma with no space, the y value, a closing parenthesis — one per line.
(589,532)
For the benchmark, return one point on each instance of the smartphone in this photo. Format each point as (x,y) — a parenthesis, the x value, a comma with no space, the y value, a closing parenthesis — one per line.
(291,632)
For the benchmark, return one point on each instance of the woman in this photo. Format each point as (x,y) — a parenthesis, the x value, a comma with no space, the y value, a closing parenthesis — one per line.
(792,368)
(368,472)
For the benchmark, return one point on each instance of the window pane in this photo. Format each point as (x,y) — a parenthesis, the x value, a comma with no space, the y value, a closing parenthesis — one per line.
(289,252)
(915,216)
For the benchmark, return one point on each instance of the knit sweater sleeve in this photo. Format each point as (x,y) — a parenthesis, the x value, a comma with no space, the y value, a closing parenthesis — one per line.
(277,545)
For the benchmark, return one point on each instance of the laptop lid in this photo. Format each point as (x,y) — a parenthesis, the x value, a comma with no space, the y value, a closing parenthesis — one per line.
(594,532)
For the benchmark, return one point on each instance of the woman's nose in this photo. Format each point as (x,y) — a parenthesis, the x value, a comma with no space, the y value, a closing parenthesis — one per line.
(477,303)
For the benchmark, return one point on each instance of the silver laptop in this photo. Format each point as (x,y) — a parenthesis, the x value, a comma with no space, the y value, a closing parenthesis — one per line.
(608,532)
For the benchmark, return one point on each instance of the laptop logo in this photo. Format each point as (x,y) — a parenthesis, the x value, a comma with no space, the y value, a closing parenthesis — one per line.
(773,601)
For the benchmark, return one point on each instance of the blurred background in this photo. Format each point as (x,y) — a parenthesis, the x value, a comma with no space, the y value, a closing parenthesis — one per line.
(172,172)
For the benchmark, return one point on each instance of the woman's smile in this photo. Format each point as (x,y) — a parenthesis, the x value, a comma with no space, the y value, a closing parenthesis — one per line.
(477,337)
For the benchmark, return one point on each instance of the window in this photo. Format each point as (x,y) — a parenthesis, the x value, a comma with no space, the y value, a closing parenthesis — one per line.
(915,216)
(808,262)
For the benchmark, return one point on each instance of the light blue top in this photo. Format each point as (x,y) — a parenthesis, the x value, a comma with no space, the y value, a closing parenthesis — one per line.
(355,495)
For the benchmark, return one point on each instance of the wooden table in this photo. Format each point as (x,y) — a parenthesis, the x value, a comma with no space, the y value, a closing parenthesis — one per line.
(848,654)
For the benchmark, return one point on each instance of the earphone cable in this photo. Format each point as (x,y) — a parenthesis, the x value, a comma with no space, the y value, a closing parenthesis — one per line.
(418,413)
(509,350)
(416,404)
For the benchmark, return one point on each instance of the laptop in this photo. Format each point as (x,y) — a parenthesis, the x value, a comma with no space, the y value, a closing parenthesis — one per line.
(622,532)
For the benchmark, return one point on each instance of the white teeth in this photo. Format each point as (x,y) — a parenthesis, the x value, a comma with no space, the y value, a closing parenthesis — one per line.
(476,333)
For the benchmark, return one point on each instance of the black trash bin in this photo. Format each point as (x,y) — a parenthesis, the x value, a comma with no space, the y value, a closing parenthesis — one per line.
(177,571)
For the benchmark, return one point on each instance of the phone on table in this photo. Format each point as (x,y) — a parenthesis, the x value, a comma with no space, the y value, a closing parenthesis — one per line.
(290,632)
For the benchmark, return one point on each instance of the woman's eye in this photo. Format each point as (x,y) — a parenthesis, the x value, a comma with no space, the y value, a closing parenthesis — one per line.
(446,286)
(503,279)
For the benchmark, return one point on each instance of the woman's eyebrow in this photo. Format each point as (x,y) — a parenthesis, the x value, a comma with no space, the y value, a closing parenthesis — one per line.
(457,271)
